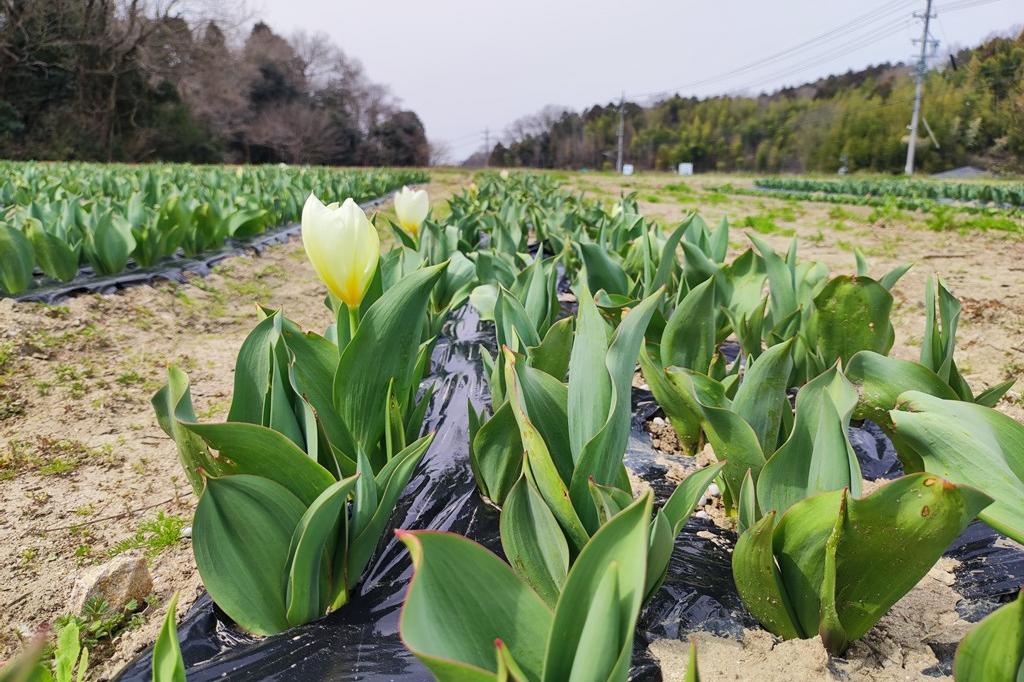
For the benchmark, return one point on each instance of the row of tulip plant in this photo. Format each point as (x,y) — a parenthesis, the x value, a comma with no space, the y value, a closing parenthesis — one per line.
(297,486)
(809,572)
(58,218)
(1002,193)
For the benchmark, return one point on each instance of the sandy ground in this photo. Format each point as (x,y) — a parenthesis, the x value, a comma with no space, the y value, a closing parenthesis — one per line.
(83,463)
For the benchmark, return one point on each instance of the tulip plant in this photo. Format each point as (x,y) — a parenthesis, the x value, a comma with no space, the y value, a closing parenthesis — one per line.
(411,207)
(319,443)
(814,570)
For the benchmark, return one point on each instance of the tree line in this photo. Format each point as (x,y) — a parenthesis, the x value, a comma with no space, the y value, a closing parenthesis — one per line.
(974,107)
(148,80)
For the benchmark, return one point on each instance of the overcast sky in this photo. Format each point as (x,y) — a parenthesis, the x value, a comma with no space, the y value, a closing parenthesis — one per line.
(467,65)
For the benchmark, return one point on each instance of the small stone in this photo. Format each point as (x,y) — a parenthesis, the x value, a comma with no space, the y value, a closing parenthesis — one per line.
(701,514)
(658,421)
(186,532)
(117,582)
(713,490)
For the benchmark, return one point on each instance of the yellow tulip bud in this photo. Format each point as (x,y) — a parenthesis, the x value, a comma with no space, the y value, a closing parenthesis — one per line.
(411,207)
(343,246)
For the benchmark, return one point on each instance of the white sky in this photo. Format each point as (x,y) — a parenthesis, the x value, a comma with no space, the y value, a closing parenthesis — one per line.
(465,65)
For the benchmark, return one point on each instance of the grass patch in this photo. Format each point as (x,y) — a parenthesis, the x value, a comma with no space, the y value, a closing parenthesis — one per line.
(99,624)
(152,536)
(678,188)
(49,457)
(764,223)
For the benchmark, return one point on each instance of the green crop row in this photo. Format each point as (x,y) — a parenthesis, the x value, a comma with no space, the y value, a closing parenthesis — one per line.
(58,218)
(999,194)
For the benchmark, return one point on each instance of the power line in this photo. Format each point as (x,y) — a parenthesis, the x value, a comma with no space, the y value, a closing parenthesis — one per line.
(838,51)
(858,23)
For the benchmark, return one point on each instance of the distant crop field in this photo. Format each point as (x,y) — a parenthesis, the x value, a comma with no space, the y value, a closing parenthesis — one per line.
(56,219)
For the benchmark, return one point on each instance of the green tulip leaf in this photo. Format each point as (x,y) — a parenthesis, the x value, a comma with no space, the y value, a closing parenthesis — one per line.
(852,314)
(993,651)
(16,260)
(260,451)
(732,438)
(53,254)
(533,541)
(880,380)
(312,545)
(545,401)
(818,456)
(970,445)
(496,454)
(512,323)
(540,464)
(590,387)
(602,272)
(555,349)
(462,598)
(601,457)
(759,581)
(905,525)
(679,411)
(173,407)
(690,333)
(252,372)
(168,665)
(390,482)
(241,535)
(389,333)
(761,397)
(589,639)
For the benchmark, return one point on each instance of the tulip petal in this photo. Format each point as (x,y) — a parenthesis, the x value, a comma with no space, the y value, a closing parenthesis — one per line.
(342,245)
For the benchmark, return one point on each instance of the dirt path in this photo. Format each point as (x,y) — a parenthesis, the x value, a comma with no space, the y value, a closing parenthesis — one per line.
(82,462)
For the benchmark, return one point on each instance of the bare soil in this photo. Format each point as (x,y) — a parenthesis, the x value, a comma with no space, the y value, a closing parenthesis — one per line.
(83,463)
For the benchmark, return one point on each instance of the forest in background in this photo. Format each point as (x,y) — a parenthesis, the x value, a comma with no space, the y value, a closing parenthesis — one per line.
(164,80)
(974,106)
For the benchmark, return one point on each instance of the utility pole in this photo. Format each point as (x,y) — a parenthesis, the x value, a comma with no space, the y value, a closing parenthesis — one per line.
(622,129)
(922,68)
(487,147)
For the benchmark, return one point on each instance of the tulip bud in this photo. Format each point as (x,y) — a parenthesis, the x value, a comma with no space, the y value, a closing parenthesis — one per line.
(411,207)
(343,247)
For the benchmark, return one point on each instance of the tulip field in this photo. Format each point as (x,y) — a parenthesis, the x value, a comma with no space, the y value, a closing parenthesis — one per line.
(686,434)
(58,218)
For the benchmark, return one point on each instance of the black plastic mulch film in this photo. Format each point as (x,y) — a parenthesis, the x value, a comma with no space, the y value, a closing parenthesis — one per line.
(360,641)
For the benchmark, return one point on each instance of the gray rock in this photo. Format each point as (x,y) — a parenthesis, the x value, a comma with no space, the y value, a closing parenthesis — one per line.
(118,581)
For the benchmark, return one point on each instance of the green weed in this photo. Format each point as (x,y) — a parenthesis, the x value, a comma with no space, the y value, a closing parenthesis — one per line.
(152,536)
